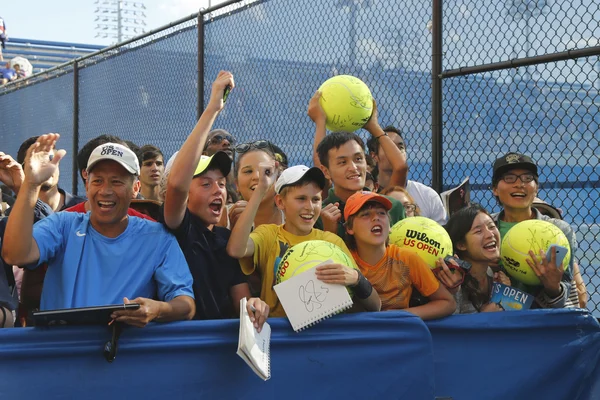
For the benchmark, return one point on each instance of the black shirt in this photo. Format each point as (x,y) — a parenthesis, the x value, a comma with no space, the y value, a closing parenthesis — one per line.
(213,270)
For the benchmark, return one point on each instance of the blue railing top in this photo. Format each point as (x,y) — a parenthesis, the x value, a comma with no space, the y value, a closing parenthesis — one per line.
(35,42)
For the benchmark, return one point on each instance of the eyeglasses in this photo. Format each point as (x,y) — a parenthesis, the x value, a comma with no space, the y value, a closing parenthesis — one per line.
(409,207)
(218,138)
(512,178)
(259,144)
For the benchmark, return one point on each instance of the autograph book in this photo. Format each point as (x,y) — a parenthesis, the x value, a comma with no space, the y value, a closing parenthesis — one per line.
(306,300)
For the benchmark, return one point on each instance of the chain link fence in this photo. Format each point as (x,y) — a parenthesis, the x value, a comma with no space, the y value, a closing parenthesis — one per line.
(548,110)
(147,90)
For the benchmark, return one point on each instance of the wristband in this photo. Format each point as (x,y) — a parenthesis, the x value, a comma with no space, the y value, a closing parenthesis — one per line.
(363,288)
(378,137)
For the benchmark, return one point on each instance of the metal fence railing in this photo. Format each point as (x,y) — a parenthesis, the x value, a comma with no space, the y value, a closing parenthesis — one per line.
(466,81)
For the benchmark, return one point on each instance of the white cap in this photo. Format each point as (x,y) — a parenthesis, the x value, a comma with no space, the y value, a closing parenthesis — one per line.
(297,172)
(116,152)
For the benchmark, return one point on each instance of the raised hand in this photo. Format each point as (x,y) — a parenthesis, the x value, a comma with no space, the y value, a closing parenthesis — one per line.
(372,124)
(267,175)
(331,215)
(315,111)
(42,159)
(224,79)
(11,172)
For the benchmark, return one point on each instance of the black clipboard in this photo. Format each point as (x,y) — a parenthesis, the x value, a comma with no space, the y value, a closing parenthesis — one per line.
(97,315)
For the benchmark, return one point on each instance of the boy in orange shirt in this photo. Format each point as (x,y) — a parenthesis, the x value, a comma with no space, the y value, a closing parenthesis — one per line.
(392,271)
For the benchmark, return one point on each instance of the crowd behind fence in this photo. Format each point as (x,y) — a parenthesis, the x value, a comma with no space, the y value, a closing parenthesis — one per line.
(149,90)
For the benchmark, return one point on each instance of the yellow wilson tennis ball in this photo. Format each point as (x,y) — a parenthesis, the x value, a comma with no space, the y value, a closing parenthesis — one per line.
(307,255)
(423,236)
(533,234)
(347,102)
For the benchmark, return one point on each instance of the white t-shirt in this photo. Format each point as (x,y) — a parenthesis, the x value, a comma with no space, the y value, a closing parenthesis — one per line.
(428,201)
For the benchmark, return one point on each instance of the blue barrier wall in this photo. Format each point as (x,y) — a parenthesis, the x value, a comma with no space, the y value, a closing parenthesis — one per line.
(389,355)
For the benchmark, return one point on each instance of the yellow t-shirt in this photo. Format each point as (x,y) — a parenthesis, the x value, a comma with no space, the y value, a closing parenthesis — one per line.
(271,242)
(394,276)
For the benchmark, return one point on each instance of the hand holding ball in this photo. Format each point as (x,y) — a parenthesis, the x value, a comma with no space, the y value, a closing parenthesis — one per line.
(347,102)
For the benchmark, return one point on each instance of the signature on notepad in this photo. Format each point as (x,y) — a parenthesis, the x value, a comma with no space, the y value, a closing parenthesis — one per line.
(312,297)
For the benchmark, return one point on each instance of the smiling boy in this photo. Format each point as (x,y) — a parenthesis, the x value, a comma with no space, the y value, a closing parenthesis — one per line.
(299,197)
(392,271)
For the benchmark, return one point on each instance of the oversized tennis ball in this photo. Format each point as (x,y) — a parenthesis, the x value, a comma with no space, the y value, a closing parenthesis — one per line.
(347,102)
(307,255)
(533,234)
(423,236)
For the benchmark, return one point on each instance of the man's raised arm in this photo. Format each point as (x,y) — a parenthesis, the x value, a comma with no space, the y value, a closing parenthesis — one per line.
(182,171)
(19,247)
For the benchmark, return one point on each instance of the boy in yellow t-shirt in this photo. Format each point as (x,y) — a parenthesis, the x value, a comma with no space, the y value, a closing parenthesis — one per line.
(392,271)
(299,197)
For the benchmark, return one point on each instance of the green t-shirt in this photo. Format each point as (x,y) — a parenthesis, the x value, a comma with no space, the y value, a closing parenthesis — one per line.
(504,227)
(396,213)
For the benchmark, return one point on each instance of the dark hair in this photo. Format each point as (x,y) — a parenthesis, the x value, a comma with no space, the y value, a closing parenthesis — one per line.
(150,152)
(336,140)
(459,224)
(22,153)
(373,142)
(84,154)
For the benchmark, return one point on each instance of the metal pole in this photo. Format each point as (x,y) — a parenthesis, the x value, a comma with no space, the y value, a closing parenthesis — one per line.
(200,77)
(75,174)
(523,62)
(436,98)
(119,34)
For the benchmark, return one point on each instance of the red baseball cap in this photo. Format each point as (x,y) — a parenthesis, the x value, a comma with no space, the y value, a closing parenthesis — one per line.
(358,199)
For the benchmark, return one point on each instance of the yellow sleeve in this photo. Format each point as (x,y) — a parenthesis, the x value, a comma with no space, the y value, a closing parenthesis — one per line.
(421,275)
(262,237)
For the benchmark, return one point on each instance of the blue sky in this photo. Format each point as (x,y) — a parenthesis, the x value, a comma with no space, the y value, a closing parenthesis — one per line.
(73,20)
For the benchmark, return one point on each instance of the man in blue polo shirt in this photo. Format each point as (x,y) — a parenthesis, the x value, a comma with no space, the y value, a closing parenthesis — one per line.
(104,256)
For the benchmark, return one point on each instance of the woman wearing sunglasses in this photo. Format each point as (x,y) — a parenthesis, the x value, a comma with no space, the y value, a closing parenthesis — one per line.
(249,156)
(476,240)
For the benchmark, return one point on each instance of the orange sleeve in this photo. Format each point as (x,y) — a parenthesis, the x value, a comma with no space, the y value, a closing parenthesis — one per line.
(421,275)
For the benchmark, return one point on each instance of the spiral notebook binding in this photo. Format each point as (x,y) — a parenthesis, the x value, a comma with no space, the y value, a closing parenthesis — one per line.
(323,315)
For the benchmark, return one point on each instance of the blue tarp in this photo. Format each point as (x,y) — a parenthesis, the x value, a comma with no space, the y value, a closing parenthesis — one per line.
(389,355)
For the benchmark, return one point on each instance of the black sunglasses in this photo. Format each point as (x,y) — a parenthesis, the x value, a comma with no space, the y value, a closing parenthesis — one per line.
(218,138)
(259,144)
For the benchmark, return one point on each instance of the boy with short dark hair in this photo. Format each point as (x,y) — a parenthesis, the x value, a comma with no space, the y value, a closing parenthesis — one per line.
(299,197)
(195,199)
(393,271)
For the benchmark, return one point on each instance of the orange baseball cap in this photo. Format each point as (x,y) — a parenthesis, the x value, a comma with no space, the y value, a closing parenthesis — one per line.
(358,199)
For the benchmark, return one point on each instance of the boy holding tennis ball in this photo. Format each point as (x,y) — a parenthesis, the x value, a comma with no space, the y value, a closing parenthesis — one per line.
(393,271)
(298,195)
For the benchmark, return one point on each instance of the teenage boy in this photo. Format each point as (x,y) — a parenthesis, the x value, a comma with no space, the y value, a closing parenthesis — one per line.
(341,156)
(195,199)
(515,186)
(152,168)
(298,195)
(393,271)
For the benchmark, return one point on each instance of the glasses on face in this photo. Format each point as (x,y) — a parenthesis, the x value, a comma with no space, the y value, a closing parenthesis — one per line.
(218,138)
(512,178)
(259,144)
(409,207)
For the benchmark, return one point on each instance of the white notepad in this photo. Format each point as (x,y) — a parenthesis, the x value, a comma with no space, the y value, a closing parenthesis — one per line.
(254,347)
(306,300)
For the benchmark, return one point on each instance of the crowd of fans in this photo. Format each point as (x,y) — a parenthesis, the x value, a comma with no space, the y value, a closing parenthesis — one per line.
(17,68)
(217,217)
